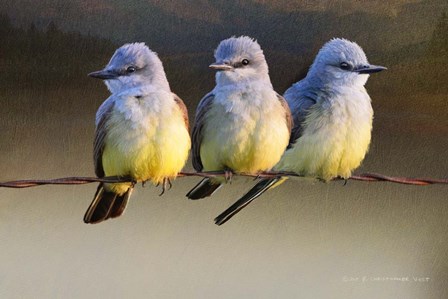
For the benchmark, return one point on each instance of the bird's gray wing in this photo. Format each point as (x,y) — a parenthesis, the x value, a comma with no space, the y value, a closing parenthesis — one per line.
(183,109)
(300,99)
(197,134)
(102,117)
(289,120)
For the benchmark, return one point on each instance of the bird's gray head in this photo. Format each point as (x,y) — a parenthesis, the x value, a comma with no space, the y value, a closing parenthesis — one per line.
(133,65)
(343,63)
(240,59)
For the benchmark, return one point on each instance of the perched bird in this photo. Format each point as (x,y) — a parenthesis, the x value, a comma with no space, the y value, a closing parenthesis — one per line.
(141,129)
(332,117)
(242,125)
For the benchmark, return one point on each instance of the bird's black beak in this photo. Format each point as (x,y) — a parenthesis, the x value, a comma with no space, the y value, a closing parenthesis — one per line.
(370,69)
(220,66)
(104,74)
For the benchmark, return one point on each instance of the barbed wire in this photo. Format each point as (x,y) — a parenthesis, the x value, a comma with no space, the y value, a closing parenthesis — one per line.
(365,177)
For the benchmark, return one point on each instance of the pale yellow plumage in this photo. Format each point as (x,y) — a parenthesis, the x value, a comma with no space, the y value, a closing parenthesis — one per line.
(333,144)
(252,141)
(157,150)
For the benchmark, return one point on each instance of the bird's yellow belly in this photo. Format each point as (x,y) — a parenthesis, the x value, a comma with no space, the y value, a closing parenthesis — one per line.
(248,155)
(329,151)
(152,152)
(249,145)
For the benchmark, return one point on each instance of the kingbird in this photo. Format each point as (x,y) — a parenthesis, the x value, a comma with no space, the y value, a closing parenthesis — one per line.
(332,116)
(242,125)
(141,129)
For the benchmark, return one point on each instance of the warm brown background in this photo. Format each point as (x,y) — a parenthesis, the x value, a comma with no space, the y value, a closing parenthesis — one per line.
(302,240)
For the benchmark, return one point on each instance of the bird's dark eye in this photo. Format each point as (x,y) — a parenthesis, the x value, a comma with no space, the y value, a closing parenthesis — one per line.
(345,66)
(130,69)
(244,62)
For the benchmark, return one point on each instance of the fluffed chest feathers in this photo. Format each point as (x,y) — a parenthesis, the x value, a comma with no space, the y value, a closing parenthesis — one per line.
(245,104)
(245,132)
(146,140)
(336,137)
(347,111)
(141,119)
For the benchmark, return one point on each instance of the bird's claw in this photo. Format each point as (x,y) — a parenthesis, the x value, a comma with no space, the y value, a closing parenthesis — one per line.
(166,185)
(228,174)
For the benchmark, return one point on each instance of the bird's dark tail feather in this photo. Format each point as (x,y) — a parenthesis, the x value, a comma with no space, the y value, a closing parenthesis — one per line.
(256,191)
(205,188)
(106,205)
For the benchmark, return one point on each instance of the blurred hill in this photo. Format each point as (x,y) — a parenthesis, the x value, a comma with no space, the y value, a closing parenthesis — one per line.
(33,58)
(194,26)
(32,55)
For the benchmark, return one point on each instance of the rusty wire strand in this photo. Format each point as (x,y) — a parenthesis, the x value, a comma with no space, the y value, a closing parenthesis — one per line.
(366,177)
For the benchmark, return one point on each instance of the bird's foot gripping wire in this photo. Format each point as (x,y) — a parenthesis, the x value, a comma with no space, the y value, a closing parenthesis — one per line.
(133,183)
(345,179)
(228,175)
(166,185)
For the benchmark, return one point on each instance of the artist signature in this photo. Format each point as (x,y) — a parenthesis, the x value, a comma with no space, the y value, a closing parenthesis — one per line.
(385,278)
